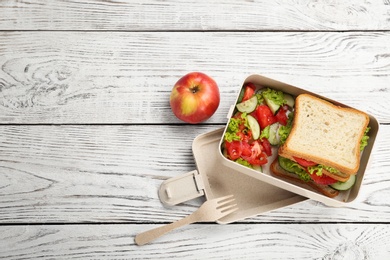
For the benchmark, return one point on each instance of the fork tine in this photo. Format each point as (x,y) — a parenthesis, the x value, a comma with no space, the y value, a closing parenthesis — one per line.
(225,203)
(229,211)
(222,199)
(227,207)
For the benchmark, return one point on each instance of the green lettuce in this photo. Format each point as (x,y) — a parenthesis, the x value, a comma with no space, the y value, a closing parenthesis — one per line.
(318,169)
(292,166)
(232,130)
(274,95)
(364,141)
(234,127)
(284,131)
(265,133)
(260,98)
(243,162)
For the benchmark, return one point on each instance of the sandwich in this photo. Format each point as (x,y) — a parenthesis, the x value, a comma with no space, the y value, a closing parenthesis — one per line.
(324,145)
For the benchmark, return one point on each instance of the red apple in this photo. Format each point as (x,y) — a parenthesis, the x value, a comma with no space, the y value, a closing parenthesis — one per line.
(194,98)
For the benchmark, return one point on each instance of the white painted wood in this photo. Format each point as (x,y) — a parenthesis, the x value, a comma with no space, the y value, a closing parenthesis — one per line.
(78,64)
(194,15)
(251,241)
(119,77)
(73,174)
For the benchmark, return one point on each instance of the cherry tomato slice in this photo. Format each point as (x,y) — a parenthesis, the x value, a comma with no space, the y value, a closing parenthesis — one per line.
(246,149)
(303,162)
(267,146)
(258,156)
(323,179)
(234,149)
(260,160)
(281,116)
(265,116)
(249,91)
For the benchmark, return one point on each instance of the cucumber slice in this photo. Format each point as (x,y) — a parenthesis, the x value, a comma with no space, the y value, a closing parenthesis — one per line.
(282,162)
(273,130)
(254,126)
(248,106)
(289,100)
(257,168)
(272,105)
(241,95)
(344,185)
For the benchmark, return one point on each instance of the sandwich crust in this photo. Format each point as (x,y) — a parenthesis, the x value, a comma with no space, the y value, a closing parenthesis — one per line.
(326,134)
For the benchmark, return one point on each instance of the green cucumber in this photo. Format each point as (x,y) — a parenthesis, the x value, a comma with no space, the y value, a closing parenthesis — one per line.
(248,106)
(241,95)
(254,126)
(257,168)
(289,100)
(272,105)
(273,131)
(283,164)
(344,185)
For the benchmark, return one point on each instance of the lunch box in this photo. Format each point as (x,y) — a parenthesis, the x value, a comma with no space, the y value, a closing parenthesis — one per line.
(255,192)
(302,189)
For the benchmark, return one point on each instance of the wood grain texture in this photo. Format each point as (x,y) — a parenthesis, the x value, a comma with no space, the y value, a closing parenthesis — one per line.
(87,135)
(74,174)
(255,241)
(194,15)
(119,77)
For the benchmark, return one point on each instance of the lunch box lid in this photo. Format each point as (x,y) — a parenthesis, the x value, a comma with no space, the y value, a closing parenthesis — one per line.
(213,179)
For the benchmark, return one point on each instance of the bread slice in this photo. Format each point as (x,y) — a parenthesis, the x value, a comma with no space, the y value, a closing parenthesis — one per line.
(326,134)
(280,172)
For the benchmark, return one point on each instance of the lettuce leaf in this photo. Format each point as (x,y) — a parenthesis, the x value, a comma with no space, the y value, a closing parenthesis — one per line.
(274,95)
(234,127)
(265,133)
(364,141)
(243,162)
(260,98)
(284,131)
(232,130)
(292,166)
(318,169)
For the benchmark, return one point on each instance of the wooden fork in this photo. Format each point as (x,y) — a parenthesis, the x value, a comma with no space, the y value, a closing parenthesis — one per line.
(211,210)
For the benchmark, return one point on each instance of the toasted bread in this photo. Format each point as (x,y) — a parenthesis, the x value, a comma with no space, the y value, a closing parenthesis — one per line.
(280,172)
(326,134)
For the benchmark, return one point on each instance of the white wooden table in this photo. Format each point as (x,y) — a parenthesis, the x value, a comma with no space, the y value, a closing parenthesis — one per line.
(87,134)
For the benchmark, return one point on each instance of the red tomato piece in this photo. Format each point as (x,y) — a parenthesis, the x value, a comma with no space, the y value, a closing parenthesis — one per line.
(281,116)
(249,91)
(323,179)
(258,157)
(265,116)
(260,160)
(303,162)
(234,149)
(267,146)
(246,149)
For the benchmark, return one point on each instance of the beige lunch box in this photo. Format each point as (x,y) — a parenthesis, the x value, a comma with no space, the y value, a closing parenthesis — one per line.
(255,192)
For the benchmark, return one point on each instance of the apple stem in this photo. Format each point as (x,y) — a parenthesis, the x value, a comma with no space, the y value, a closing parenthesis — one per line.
(195,89)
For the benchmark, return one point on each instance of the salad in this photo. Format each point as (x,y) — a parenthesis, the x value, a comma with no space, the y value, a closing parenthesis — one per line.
(262,119)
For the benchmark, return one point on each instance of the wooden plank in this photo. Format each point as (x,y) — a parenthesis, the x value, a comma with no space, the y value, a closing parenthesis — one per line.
(122,77)
(251,241)
(110,174)
(194,15)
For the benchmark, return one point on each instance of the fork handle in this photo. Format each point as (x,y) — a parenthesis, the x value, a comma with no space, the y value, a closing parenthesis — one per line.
(147,236)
